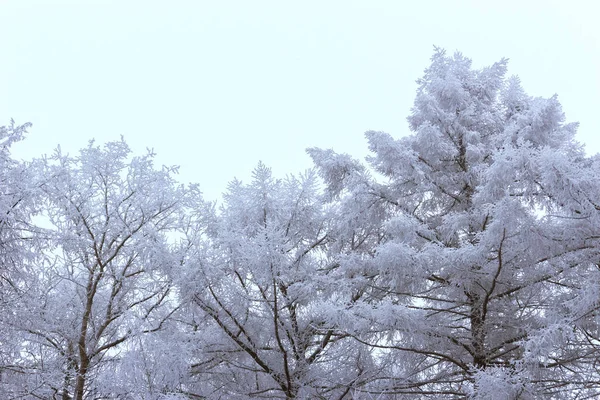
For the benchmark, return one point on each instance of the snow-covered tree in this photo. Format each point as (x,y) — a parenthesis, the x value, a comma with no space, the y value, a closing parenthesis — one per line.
(17,248)
(481,274)
(259,279)
(104,279)
(16,199)
(461,261)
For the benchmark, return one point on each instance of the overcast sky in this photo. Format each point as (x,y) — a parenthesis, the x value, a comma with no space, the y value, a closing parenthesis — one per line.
(216,86)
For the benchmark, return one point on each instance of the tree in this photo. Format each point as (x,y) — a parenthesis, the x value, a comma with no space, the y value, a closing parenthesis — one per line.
(105,279)
(18,196)
(462,261)
(15,205)
(485,230)
(258,277)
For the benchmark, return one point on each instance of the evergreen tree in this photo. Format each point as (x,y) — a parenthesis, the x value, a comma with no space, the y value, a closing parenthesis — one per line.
(489,237)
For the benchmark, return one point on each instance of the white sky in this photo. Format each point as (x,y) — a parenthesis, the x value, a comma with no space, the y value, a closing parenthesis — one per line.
(215,86)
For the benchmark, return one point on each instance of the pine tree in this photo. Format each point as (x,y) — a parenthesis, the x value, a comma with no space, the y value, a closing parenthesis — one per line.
(488,235)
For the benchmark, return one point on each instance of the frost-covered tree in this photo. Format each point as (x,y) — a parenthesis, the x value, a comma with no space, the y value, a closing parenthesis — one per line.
(17,247)
(480,276)
(16,197)
(462,261)
(259,279)
(104,279)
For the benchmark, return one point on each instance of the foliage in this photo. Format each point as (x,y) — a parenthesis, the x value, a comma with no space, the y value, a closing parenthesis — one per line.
(459,261)
(488,220)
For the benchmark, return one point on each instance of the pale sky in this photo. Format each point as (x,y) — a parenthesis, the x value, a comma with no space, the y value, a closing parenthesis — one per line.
(216,86)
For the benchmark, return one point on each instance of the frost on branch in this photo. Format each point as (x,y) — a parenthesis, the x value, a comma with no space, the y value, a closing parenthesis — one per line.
(486,218)
(460,261)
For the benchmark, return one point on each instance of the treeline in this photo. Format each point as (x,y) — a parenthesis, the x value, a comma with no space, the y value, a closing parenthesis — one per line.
(460,261)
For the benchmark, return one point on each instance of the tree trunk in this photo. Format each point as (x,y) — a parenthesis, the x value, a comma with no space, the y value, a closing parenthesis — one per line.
(477,331)
(81,377)
(84,360)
